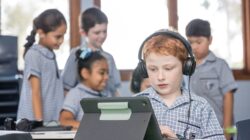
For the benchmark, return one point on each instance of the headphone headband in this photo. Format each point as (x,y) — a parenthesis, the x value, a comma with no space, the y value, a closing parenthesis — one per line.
(189,64)
(170,34)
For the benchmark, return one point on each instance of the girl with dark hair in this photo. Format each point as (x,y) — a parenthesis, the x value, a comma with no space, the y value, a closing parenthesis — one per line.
(42,95)
(93,71)
(93,29)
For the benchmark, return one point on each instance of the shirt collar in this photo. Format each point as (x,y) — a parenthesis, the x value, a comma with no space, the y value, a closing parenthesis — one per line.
(152,94)
(88,90)
(44,51)
(210,57)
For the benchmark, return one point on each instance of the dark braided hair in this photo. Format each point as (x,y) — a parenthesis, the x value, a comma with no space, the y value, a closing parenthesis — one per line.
(87,60)
(47,21)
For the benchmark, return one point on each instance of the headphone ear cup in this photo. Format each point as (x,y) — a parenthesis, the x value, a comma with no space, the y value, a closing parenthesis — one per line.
(189,67)
(142,69)
(135,86)
(24,125)
(9,124)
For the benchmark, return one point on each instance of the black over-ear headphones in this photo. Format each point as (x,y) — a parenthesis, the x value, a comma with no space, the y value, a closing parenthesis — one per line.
(136,81)
(21,125)
(189,64)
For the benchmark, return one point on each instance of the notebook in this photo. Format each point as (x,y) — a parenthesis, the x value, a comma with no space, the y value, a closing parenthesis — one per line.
(118,118)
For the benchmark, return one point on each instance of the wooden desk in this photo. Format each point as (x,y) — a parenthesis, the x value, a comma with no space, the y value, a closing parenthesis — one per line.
(14,135)
(51,135)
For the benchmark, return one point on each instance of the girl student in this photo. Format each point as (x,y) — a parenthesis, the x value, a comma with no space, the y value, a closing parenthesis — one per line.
(93,70)
(42,91)
(93,29)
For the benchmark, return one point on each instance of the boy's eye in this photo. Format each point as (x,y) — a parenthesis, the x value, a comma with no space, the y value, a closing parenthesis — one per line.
(168,68)
(97,33)
(152,69)
(103,72)
(198,42)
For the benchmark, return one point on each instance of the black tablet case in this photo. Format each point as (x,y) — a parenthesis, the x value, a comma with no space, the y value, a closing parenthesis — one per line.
(141,125)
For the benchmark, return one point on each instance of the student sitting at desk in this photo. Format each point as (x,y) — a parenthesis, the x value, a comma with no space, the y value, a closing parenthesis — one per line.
(138,83)
(93,71)
(180,114)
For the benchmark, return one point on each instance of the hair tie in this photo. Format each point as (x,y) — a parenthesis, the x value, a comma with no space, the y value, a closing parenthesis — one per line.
(30,38)
(86,52)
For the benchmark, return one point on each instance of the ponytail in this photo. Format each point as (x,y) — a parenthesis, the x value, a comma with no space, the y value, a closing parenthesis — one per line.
(30,41)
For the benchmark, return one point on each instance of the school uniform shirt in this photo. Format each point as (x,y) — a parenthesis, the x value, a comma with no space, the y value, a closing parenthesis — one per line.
(41,62)
(71,78)
(202,120)
(75,95)
(212,80)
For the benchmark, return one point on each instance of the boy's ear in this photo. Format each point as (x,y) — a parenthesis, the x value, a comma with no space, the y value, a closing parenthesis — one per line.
(82,32)
(210,39)
(85,73)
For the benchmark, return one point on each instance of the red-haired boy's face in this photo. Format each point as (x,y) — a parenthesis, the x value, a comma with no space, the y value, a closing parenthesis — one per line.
(165,73)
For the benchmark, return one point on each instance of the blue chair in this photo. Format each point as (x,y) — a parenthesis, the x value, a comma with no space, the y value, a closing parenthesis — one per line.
(8,55)
(9,81)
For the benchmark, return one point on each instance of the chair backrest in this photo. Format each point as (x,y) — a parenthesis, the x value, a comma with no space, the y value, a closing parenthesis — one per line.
(243,129)
(8,55)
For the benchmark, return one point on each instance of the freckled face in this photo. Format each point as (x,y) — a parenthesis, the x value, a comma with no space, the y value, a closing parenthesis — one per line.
(165,73)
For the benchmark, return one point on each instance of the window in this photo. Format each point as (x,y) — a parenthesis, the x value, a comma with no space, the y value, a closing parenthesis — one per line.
(226,24)
(17,17)
(244,72)
(130,22)
(236,43)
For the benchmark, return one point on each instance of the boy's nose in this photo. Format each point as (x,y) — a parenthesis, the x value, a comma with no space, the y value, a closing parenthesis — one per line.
(106,77)
(194,46)
(160,75)
(103,35)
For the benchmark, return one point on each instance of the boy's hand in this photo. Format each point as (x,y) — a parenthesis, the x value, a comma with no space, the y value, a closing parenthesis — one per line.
(166,131)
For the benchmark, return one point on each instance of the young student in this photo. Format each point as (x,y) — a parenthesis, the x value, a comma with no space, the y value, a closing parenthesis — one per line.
(138,82)
(42,95)
(93,27)
(180,114)
(213,79)
(93,72)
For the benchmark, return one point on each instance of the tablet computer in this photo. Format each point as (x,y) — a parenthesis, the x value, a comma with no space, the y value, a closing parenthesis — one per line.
(243,129)
(123,118)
